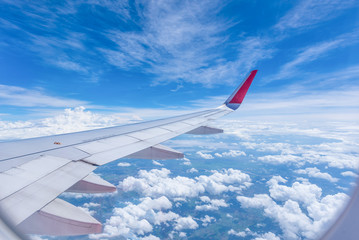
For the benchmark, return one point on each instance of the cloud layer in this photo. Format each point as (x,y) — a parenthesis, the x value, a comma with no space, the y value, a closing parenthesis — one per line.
(284,205)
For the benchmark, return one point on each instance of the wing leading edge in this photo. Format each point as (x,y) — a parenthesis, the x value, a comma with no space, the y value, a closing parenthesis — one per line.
(34,172)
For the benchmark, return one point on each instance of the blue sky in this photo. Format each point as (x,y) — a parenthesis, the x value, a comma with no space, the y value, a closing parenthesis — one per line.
(179,56)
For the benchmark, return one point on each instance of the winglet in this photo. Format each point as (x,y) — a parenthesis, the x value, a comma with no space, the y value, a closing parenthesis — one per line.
(235,100)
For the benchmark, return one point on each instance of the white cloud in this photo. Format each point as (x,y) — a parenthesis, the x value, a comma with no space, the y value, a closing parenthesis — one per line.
(71,120)
(192,170)
(308,13)
(267,236)
(185,223)
(186,161)
(91,204)
(269,147)
(281,159)
(188,37)
(238,234)
(315,173)
(206,220)
(138,219)
(303,192)
(154,162)
(313,53)
(88,208)
(21,97)
(211,204)
(349,174)
(289,215)
(157,182)
(174,42)
(247,232)
(124,164)
(150,237)
(340,144)
(231,153)
(205,155)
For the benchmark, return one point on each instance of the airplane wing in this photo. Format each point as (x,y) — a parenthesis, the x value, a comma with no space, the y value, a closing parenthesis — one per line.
(34,172)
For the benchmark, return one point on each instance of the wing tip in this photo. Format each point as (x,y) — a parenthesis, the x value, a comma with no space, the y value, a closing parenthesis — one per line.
(236,99)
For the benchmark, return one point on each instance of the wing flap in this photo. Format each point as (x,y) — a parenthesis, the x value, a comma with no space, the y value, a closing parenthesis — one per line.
(92,184)
(159,152)
(60,218)
(205,130)
(33,197)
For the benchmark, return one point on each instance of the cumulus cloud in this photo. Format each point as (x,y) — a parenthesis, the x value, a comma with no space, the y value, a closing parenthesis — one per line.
(247,232)
(88,208)
(281,159)
(157,182)
(349,174)
(211,204)
(138,219)
(205,155)
(238,234)
(124,164)
(267,236)
(315,173)
(71,120)
(206,220)
(231,153)
(192,170)
(186,161)
(157,163)
(269,147)
(91,204)
(185,223)
(150,237)
(303,192)
(335,145)
(288,213)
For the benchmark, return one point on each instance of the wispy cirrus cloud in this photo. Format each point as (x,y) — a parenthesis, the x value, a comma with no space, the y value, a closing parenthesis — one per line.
(313,53)
(175,41)
(308,13)
(22,97)
(180,41)
(172,41)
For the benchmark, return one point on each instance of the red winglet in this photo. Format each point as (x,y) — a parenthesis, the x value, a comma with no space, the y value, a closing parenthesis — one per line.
(237,97)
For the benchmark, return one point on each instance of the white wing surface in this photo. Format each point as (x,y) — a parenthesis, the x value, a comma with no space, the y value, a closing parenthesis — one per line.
(34,172)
